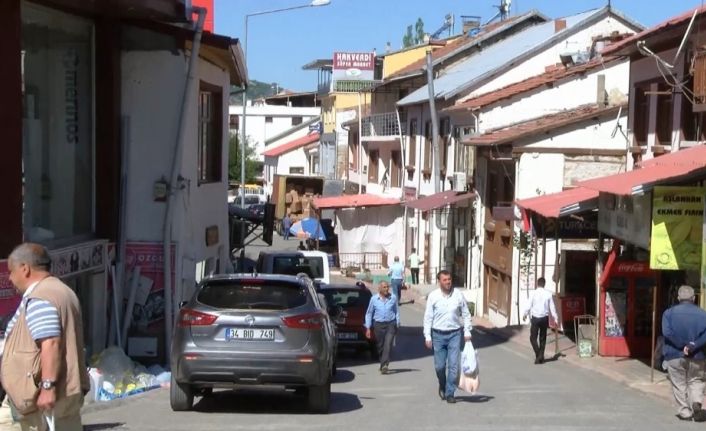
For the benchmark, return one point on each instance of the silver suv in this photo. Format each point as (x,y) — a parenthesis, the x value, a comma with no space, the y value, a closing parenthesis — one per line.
(243,329)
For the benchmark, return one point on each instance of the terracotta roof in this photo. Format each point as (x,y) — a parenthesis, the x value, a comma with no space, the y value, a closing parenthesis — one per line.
(560,204)
(418,66)
(438,200)
(626,46)
(528,84)
(290,146)
(354,201)
(541,124)
(663,169)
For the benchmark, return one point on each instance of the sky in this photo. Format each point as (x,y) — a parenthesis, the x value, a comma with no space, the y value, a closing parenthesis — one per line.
(280,43)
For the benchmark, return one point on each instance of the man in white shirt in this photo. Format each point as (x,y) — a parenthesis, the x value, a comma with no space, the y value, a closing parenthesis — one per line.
(447,322)
(539,307)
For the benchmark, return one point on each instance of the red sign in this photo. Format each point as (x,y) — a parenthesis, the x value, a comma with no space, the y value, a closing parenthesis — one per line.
(354,60)
(572,306)
(632,267)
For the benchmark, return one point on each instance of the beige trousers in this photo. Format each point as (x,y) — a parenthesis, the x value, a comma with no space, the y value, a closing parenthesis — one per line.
(687,377)
(67,416)
(6,422)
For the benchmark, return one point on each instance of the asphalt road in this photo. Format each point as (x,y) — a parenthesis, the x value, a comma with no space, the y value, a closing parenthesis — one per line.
(515,394)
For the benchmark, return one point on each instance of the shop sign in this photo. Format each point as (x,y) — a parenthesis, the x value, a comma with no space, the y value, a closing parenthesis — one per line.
(353,66)
(85,257)
(584,226)
(677,231)
(626,218)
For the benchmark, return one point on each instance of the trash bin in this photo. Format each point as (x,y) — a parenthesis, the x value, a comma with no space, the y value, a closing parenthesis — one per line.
(585,332)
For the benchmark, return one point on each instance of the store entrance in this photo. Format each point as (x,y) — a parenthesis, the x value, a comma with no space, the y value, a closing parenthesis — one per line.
(580,276)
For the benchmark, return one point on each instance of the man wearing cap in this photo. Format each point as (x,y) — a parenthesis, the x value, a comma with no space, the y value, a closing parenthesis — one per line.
(684,331)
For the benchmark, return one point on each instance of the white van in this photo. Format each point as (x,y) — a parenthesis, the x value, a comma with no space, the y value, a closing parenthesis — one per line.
(313,263)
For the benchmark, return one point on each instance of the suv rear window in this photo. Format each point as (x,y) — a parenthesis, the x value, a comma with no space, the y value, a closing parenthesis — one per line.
(347,298)
(293,265)
(252,296)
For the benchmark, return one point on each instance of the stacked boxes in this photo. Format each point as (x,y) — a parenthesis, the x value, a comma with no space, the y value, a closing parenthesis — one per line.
(299,202)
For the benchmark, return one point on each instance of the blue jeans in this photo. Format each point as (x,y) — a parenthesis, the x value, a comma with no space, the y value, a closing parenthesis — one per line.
(396,284)
(447,351)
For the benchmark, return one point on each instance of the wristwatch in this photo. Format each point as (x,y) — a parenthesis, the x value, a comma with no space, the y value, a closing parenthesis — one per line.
(47,384)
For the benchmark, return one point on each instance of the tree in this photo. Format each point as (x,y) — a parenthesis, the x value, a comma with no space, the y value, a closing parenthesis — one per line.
(253,167)
(414,34)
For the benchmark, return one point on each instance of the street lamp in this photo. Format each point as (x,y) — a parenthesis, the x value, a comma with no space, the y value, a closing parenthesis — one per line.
(313,3)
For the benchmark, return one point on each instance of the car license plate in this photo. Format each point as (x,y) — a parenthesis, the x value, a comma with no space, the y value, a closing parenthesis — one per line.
(347,336)
(250,334)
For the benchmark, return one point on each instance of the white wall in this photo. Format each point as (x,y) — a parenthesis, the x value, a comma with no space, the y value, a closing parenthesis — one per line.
(281,164)
(151,99)
(258,130)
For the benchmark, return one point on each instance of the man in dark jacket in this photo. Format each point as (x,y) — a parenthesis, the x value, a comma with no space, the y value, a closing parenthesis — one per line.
(684,331)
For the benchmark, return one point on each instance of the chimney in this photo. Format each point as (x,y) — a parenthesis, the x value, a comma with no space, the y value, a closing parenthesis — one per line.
(559,25)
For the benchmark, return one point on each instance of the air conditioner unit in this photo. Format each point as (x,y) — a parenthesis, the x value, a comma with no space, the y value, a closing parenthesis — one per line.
(459,180)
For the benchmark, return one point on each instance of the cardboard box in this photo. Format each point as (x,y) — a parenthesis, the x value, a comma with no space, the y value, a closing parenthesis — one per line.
(296,207)
(287,198)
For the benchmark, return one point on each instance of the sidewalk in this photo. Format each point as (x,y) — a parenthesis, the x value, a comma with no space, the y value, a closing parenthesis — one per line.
(630,372)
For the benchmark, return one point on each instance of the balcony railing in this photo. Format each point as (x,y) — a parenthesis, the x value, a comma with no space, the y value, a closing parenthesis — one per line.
(380,125)
(353,86)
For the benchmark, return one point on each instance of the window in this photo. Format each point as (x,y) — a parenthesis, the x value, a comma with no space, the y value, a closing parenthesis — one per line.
(427,146)
(374,163)
(412,142)
(210,133)
(268,119)
(396,174)
(251,296)
(501,184)
(691,122)
(295,121)
(354,150)
(296,170)
(348,298)
(234,122)
(293,265)
(664,114)
(58,137)
(444,132)
(641,119)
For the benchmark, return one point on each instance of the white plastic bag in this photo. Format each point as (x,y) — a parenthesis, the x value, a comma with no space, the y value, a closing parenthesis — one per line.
(469,360)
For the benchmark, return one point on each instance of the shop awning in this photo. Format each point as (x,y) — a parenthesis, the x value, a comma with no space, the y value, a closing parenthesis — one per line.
(563,203)
(669,168)
(354,201)
(438,200)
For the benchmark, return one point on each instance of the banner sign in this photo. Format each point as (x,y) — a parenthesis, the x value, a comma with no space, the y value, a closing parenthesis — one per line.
(353,66)
(625,217)
(677,232)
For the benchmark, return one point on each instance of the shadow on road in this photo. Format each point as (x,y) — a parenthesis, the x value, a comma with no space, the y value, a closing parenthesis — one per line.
(475,398)
(106,426)
(401,370)
(256,401)
(343,376)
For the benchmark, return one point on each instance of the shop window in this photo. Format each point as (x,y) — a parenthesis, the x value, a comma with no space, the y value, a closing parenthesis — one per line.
(210,133)
(58,127)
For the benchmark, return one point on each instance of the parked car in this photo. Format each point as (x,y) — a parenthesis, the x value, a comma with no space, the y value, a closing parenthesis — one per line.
(313,263)
(257,211)
(353,301)
(242,329)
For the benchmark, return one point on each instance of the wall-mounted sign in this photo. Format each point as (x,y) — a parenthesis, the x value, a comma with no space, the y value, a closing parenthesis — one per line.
(353,66)
(84,257)
(626,218)
(677,231)
(584,226)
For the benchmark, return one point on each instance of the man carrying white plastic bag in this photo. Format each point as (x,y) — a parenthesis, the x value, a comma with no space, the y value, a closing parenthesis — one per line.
(469,379)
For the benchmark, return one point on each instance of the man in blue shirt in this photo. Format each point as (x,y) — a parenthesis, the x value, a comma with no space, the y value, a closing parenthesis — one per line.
(286,225)
(684,331)
(396,274)
(383,315)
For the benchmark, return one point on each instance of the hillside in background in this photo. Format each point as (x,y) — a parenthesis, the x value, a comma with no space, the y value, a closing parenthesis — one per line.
(256,90)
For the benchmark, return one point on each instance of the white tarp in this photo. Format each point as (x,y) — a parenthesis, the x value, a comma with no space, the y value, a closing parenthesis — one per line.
(371,230)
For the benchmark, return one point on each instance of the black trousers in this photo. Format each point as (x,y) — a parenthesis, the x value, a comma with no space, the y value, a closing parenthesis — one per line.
(384,335)
(538,335)
(415,275)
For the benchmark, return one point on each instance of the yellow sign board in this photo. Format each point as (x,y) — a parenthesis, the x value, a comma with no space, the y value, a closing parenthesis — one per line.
(677,228)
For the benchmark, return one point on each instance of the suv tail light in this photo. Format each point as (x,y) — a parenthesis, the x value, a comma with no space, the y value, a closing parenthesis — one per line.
(304,321)
(189,317)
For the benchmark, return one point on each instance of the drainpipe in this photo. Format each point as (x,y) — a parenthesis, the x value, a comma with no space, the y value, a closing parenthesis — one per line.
(402,170)
(174,185)
(360,144)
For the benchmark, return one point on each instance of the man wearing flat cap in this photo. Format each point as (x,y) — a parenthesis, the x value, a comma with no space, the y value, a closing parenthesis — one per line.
(684,331)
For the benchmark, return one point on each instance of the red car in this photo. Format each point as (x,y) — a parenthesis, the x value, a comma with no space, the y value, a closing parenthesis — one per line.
(353,300)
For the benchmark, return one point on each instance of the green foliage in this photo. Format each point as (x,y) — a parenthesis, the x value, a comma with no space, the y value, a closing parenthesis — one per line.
(256,90)
(253,168)
(414,34)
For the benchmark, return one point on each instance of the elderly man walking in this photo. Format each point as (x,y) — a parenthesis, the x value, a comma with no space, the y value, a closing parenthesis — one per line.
(684,331)
(383,316)
(44,341)
(447,322)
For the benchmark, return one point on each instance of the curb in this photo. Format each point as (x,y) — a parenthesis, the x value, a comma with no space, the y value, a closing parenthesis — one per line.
(98,406)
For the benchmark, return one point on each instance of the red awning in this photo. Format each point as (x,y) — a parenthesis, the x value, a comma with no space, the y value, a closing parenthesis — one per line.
(559,204)
(670,167)
(438,200)
(354,201)
(291,145)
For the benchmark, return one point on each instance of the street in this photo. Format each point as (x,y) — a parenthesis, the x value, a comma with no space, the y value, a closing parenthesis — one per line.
(514,394)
